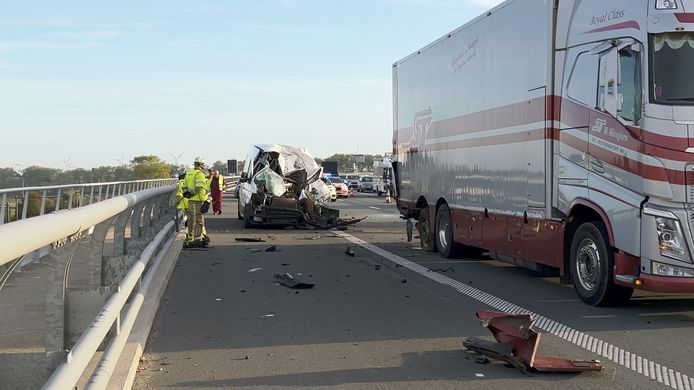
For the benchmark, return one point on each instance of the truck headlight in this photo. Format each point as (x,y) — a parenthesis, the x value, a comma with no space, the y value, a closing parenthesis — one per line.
(666,4)
(671,270)
(670,238)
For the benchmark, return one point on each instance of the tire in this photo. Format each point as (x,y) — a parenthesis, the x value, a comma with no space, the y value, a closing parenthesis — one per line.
(238,210)
(426,234)
(592,267)
(380,193)
(444,233)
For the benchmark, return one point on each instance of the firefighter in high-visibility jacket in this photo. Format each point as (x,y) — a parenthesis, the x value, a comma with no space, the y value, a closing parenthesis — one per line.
(181,201)
(195,190)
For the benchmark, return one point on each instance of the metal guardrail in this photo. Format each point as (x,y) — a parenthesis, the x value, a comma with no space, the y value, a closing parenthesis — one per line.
(24,202)
(113,241)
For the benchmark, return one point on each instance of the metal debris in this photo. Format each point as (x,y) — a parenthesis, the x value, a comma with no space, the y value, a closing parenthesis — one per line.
(517,344)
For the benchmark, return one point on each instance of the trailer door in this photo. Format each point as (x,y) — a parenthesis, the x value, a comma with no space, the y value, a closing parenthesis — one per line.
(535,148)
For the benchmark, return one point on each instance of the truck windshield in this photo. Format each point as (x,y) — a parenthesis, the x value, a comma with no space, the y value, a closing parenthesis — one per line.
(672,61)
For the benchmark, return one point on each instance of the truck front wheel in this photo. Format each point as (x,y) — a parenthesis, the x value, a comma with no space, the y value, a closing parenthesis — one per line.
(592,264)
(238,209)
(426,235)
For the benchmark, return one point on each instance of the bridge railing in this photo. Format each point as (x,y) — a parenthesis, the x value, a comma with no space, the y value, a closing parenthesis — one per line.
(25,202)
(82,293)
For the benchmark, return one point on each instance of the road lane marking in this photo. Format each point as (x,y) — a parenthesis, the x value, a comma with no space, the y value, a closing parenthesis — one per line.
(648,369)
(375,208)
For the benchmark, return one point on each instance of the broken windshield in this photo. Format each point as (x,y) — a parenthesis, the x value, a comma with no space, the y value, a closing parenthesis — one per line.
(672,61)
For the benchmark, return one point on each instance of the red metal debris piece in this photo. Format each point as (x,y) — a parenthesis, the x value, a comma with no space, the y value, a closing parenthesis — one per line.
(515,331)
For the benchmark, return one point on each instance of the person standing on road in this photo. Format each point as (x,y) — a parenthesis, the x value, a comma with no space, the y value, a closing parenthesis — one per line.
(216,191)
(181,201)
(195,190)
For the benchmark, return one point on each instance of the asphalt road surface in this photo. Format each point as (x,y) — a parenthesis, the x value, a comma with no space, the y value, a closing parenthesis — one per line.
(390,317)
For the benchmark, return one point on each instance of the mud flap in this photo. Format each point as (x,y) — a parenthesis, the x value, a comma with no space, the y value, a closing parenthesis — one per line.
(517,345)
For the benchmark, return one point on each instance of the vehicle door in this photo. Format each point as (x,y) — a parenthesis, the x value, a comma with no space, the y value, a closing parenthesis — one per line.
(246,184)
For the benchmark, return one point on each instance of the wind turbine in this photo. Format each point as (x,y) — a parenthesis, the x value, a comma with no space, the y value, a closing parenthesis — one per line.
(120,160)
(68,167)
(176,158)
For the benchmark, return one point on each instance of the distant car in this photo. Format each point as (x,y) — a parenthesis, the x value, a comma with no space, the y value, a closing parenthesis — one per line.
(332,192)
(367,183)
(341,189)
(353,182)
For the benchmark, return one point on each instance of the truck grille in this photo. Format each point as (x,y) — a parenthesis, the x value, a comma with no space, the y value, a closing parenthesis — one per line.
(689,174)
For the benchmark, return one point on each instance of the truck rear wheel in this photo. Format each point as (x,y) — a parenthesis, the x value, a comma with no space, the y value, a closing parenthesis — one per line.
(426,234)
(238,210)
(444,233)
(592,265)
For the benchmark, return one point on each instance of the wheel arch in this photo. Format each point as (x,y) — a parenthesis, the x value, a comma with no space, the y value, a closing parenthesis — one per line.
(584,210)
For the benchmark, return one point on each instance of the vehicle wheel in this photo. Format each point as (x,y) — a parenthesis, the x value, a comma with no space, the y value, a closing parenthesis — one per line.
(380,193)
(444,233)
(592,267)
(426,235)
(238,210)
(247,217)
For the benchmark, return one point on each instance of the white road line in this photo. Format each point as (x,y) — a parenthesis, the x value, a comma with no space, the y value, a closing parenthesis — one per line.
(645,367)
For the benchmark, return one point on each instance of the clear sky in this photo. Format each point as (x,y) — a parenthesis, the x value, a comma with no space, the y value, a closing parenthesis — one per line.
(91,83)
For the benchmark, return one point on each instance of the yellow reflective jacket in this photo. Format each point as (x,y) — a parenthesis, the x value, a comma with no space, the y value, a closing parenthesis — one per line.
(181,202)
(196,183)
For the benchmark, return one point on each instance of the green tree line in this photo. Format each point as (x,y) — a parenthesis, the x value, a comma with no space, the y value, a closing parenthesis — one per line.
(139,168)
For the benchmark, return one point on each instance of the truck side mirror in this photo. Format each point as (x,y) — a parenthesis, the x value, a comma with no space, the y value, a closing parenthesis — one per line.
(609,98)
(244,177)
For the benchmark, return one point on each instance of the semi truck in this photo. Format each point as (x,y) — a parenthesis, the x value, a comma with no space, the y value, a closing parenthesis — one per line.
(382,175)
(557,135)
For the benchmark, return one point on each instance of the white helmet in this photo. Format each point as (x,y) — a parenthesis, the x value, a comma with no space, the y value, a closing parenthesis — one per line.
(199,162)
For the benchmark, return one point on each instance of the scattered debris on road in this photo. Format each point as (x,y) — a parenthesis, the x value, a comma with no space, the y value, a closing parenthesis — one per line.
(249,239)
(272,249)
(289,281)
(349,252)
(517,344)
(254,269)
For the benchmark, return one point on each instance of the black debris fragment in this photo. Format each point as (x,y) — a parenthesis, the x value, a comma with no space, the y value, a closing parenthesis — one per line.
(444,270)
(403,281)
(349,252)
(408,229)
(272,249)
(249,239)
(291,282)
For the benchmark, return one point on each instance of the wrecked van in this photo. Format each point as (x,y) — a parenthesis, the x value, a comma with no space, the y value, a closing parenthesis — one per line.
(280,185)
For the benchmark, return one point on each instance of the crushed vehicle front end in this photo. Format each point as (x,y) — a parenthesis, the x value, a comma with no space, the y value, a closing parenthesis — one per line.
(285,189)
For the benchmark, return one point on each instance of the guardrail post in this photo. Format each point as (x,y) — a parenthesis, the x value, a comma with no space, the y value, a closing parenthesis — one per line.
(137,239)
(3,207)
(25,206)
(96,251)
(115,266)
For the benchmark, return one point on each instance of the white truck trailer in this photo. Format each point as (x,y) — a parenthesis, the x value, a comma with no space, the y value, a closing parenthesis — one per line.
(556,134)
